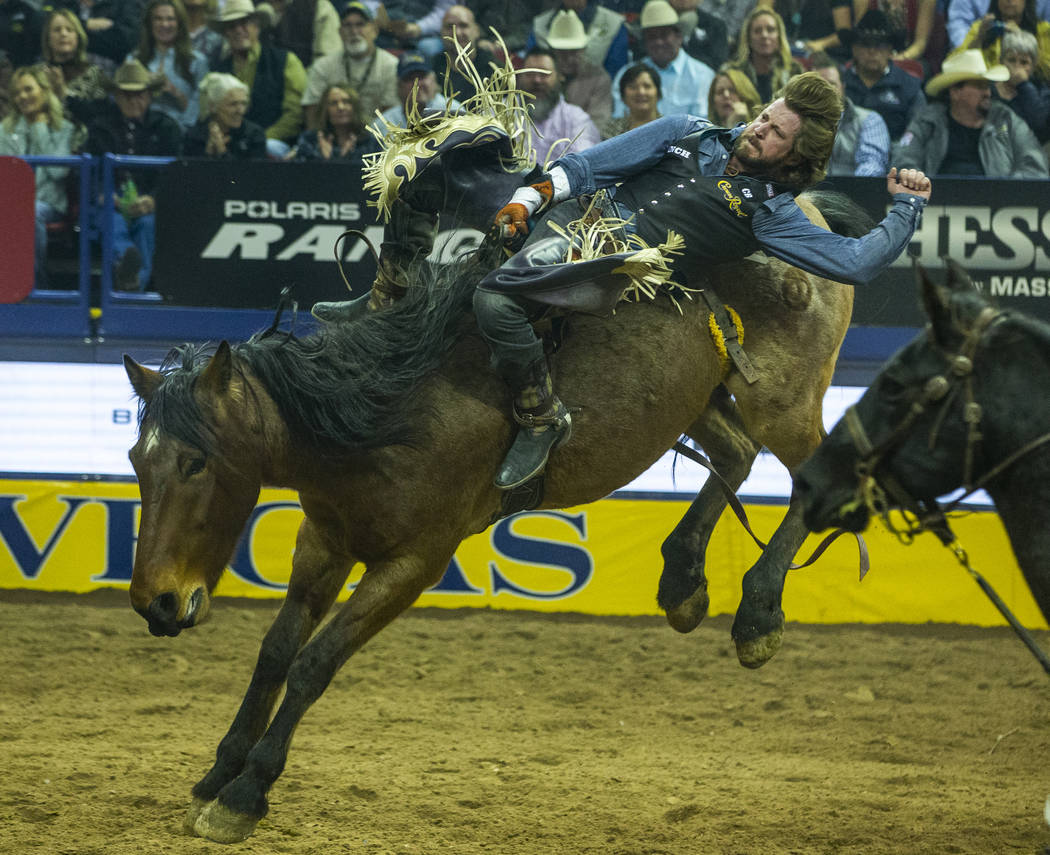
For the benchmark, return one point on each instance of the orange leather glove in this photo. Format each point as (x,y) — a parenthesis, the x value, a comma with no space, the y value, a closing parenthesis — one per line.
(512,220)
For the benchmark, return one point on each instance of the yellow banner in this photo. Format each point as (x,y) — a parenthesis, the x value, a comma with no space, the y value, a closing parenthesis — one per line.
(602,558)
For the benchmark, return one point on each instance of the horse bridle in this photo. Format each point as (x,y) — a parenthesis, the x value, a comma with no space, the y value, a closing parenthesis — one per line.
(873,485)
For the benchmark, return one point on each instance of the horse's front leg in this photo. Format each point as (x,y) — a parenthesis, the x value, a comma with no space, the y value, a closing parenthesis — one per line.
(386,590)
(759,624)
(317,577)
(682,592)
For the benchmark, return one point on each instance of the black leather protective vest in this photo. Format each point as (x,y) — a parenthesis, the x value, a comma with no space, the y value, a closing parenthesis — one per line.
(712,213)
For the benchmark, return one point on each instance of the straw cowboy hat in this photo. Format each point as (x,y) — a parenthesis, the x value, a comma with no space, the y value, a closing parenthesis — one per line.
(133,76)
(658,13)
(566,31)
(968,65)
(237,10)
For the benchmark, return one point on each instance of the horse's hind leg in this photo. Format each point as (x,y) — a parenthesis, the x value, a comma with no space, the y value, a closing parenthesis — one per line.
(386,590)
(317,577)
(682,592)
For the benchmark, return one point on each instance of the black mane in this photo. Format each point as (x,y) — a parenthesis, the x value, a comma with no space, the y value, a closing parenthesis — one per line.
(348,386)
(843,216)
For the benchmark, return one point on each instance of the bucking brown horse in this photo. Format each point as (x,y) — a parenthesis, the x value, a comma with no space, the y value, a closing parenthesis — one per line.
(391,428)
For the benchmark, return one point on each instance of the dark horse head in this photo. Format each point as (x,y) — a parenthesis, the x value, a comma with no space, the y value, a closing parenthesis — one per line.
(940,415)
(277,410)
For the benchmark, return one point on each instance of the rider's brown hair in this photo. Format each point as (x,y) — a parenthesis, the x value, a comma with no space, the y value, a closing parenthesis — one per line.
(817,103)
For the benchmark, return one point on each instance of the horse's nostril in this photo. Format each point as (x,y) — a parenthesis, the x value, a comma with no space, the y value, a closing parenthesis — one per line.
(164,608)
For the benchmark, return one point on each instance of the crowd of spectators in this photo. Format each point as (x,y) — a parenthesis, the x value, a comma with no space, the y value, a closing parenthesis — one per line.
(958,87)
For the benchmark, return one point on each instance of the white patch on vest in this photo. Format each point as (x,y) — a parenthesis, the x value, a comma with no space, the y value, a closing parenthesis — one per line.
(681,152)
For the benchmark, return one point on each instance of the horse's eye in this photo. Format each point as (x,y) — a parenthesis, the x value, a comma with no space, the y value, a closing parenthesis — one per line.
(190,466)
(890,387)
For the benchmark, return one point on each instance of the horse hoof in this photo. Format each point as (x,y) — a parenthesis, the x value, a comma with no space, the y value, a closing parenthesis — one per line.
(687,616)
(222,825)
(758,651)
(195,809)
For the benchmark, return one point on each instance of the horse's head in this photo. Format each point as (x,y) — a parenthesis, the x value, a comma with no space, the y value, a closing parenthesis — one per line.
(198,480)
(914,434)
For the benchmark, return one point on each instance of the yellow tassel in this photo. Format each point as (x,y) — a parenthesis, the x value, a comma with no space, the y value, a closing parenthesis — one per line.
(719,338)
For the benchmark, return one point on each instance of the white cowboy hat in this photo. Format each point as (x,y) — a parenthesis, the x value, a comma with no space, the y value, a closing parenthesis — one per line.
(658,13)
(968,65)
(566,31)
(235,10)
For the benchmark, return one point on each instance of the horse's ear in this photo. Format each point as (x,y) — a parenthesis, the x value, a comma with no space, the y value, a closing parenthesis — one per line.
(143,380)
(935,301)
(216,376)
(958,279)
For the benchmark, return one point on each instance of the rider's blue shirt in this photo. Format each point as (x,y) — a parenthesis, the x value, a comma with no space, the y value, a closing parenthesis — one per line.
(779,225)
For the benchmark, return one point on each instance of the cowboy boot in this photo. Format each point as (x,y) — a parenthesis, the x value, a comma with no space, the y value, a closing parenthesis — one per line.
(545,425)
(408,237)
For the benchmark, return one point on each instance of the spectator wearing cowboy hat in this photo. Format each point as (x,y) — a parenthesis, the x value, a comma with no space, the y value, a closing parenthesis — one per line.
(557,126)
(370,71)
(275,76)
(583,83)
(706,37)
(874,82)
(684,81)
(965,132)
(127,124)
(607,37)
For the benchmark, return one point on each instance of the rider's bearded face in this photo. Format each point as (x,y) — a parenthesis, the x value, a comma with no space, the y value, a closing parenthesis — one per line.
(765,145)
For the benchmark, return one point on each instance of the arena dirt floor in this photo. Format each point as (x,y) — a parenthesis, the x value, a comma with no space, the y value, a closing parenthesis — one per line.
(510,732)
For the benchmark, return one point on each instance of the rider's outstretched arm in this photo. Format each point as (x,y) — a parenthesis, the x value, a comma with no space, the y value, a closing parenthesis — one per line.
(786,232)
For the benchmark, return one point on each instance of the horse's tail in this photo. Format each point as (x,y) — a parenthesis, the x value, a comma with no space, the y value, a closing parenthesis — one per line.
(844,216)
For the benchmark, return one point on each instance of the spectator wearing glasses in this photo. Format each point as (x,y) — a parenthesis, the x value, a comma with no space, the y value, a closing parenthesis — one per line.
(965,132)
(368,70)
(275,76)
(223,132)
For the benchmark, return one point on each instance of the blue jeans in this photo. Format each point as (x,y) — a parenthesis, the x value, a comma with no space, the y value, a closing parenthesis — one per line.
(140,232)
(45,213)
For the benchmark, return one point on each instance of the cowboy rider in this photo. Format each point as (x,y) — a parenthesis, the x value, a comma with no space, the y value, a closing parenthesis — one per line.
(728,192)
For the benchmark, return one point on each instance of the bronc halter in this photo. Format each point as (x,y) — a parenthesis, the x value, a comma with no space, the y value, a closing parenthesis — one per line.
(873,486)
(918,515)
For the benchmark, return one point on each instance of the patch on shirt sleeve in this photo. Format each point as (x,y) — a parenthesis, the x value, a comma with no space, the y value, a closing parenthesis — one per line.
(906,138)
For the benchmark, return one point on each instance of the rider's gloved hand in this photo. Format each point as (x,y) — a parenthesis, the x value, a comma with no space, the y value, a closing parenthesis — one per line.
(512,219)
